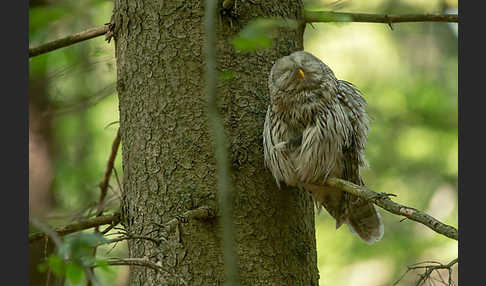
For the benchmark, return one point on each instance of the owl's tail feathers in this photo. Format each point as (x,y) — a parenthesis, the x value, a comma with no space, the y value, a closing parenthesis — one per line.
(363,219)
(332,199)
(360,215)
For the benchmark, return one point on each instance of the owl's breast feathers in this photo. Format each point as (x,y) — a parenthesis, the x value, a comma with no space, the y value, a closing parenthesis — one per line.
(325,122)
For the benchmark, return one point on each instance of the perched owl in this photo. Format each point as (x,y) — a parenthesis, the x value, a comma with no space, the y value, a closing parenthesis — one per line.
(316,127)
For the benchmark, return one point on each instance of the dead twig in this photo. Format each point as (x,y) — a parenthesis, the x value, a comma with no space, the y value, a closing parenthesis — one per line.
(333,17)
(79,226)
(69,40)
(429,267)
(109,168)
(144,263)
(201,213)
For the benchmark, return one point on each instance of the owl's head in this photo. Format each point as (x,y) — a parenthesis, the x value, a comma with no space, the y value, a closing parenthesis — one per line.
(299,71)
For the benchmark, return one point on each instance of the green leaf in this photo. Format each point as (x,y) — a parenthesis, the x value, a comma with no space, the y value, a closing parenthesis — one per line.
(112,123)
(103,265)
(56,264)
(80,246)
(259,33)
(42,267)
(74,273)
(253,43)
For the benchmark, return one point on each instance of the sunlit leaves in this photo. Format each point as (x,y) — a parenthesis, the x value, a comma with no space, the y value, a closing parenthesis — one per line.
(80,247)
(74,273)
(74,256)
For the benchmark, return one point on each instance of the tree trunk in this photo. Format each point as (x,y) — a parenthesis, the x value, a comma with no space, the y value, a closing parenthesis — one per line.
(168,161)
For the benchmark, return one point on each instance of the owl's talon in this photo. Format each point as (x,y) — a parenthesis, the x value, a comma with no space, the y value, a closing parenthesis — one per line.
(380,196)
(388,195)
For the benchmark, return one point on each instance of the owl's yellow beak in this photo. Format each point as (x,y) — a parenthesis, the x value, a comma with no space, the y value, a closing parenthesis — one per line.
(301,73)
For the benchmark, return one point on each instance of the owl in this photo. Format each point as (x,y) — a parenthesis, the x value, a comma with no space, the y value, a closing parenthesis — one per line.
(315,127)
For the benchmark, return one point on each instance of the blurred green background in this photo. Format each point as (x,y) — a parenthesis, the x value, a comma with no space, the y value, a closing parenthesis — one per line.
(408,76)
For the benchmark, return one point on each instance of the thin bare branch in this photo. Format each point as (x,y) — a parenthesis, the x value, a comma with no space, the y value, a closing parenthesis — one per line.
(383,201)
(201,213)
(330,16)
(47,231)
(104,187)
(125,237)
(430,267)
(109,169)
(135,262)
(69,40)
(309,17)
(79,226)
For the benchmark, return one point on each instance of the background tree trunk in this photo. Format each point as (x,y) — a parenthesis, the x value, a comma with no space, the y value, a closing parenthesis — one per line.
(167,152)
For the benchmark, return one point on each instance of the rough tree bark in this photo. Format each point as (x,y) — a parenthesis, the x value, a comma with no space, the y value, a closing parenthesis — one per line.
(168,160)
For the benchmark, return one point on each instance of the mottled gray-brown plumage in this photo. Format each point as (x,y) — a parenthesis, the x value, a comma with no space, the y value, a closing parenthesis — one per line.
(316,126)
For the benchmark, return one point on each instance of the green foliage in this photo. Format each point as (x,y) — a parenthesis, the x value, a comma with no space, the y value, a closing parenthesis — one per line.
(75,255)
(74,273)
(103,265)
(79,247)
(259,33)
(55,263)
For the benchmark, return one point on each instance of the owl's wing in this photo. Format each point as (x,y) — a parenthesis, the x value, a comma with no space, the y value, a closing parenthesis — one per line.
(354,106)
(362,217)
(275,131)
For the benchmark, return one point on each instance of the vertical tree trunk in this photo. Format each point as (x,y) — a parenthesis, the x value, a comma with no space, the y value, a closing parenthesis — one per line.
(168,156)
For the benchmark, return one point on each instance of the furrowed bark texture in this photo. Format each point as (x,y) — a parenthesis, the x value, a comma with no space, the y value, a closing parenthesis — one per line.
(168,161)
